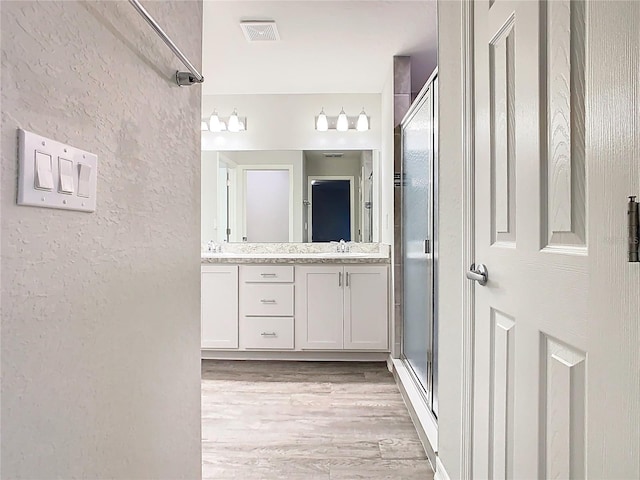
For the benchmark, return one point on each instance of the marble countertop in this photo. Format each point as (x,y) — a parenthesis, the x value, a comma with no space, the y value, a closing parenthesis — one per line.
(291,258)
(290,253)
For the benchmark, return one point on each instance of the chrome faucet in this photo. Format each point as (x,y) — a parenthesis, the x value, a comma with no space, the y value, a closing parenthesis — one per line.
(213,247)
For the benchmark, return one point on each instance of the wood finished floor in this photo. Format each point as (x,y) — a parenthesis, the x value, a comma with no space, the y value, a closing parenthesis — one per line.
(306,421)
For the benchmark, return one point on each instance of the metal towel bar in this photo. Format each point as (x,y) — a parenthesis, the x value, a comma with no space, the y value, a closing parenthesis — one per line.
(182,78)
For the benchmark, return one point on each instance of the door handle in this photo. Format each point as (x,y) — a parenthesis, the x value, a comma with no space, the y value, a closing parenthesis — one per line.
(478,273)
(339,279)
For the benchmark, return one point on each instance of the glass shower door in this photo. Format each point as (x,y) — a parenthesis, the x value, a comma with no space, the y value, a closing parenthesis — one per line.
(417,238)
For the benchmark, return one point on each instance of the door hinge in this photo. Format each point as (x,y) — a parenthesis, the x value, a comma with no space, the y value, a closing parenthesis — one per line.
(427,246)
(633,220)
(228,231)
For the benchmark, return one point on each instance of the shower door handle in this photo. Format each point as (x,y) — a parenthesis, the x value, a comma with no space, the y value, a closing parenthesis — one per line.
(478,274)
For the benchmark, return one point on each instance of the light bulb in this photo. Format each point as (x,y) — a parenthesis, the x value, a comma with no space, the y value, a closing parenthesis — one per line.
(203,126)
(342,124)
(363,122)
(322,125)
(234,123)
(214,122)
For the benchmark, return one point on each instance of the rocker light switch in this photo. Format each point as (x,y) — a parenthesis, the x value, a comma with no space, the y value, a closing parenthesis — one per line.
(43,174)
(66,175)
(84,180)
(53,174)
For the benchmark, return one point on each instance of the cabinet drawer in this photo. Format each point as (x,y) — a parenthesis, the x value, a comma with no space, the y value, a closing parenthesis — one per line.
(267,300)
(267,333)
(266,273)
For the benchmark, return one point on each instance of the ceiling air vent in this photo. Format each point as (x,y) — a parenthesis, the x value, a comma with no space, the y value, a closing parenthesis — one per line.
(260,31)
(333,155)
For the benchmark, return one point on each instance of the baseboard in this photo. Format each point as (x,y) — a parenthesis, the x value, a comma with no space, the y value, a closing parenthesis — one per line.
(424,421)
(441,473)
(308,356)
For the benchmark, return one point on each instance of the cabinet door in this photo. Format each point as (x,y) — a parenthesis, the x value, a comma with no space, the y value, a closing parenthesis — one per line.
(219,301)
(366,308)
(319,307)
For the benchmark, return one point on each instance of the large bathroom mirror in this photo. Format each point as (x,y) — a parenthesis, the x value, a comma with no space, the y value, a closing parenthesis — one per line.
(290,196)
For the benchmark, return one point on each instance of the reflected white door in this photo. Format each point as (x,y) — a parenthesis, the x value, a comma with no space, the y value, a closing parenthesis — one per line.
(541,353)
(267,206)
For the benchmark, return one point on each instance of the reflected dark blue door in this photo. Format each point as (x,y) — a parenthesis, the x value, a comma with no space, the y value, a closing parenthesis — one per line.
(330,210)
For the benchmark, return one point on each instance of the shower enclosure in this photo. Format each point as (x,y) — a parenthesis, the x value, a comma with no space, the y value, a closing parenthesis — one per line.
(419,241)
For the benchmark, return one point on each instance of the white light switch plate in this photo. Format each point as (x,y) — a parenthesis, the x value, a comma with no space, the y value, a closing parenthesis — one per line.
(28,194)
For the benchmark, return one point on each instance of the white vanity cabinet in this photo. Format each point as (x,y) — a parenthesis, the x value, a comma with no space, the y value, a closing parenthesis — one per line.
(320,307)
(266,307)
(219,303)
(342,307)
(312,311)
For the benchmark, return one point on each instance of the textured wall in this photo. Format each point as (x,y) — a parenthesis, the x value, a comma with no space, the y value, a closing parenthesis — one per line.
(100,326)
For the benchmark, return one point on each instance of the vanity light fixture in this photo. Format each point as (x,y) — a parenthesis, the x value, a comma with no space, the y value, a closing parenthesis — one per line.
(342,122)
(218,124)
(363,122)
(342,125)
(234,123)
(322,124)
(214,122)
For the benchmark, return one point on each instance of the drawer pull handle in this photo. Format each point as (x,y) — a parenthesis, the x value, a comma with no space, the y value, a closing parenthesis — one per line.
(269,334)
(267,301)
(269,275)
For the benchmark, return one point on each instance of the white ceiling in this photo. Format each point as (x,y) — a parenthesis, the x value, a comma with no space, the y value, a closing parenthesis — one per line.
(326,46)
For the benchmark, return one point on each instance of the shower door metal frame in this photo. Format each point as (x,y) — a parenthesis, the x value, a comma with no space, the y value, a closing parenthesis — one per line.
(426,391)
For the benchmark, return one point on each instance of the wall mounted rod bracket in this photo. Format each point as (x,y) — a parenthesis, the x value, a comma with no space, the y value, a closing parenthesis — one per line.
(182,78)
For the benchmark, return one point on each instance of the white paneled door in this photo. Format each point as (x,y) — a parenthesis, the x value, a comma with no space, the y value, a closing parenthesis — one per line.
(556,366)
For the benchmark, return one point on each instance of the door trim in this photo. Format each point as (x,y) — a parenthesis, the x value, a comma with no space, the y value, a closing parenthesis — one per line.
(468,239)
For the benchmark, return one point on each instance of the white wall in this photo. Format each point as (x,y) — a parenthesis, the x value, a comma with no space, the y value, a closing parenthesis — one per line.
(386,159)
(287,122)
(101,312)
(451,268)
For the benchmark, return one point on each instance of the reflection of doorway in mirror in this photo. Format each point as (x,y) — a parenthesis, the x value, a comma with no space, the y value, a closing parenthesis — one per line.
(226,201)
(267,206)
(331,213)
